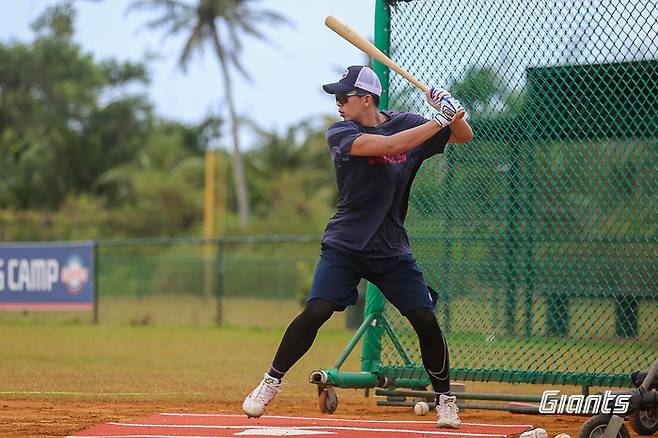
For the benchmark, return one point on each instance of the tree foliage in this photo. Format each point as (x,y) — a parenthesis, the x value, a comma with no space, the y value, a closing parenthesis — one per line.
(56,137)
(81,157)
(221,25)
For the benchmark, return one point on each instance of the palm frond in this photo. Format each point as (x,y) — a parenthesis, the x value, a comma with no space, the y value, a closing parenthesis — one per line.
(170,7)
(189,164)
(234,38)
(249,29)
(237,64)
(194,42)
(268,17)
(246,21)
(174,6)
(116,175)
(174,15)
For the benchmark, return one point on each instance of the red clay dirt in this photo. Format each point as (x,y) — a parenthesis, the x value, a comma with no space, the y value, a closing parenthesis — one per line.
(227,425)
(63,417)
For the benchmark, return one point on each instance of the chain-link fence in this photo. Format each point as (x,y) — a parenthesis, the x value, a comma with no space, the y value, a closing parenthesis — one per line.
(245,281)
(540,234)
(242,281)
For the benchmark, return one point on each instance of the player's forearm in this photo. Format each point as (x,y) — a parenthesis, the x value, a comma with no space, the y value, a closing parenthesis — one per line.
(461,132)
(373,145)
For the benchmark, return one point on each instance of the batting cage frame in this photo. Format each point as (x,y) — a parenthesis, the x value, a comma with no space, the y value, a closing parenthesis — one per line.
(540,234)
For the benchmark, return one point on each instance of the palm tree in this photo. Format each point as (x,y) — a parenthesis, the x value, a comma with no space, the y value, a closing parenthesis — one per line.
(219,23)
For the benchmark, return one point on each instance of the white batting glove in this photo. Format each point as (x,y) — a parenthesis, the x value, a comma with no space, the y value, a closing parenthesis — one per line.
(448,108)
(458,105)
(434,96)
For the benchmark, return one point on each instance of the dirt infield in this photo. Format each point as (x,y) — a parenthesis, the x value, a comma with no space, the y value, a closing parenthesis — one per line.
(61,417)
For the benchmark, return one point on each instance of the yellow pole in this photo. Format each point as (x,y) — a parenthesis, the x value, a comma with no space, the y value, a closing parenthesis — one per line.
(208,222)
(221,194)
(221,226)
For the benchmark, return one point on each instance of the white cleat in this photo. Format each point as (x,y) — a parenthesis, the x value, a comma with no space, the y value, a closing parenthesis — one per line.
(535,433)
(255,403)
(446,412)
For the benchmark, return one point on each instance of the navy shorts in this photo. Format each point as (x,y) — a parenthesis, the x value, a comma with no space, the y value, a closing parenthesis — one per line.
(399,278)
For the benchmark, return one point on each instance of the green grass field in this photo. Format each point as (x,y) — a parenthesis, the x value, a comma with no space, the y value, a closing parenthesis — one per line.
(164,347)
(189,310)
(181,363)
(151,362)
(157,348)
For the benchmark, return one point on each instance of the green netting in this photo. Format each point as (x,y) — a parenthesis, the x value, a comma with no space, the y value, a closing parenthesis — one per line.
(540,235)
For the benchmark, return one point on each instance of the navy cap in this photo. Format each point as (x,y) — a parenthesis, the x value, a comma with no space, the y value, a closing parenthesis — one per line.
(356,76)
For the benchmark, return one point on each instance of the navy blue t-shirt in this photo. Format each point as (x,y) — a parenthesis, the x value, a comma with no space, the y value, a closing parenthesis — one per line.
(373,192)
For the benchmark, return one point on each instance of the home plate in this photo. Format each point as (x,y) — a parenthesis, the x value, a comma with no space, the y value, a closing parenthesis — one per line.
(282,431)
(174,425)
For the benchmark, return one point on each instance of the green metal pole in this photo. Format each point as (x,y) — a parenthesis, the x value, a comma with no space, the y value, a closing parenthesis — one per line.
(493,407)
(466,395)
(382,41)
(513,206)
(95,252)
(357,337)
(372,340)
(531,268)
(342,379)
(397,344)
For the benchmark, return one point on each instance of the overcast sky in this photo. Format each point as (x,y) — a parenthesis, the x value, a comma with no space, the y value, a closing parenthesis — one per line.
(287,74)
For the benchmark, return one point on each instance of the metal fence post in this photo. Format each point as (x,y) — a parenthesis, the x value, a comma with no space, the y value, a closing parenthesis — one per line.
(511,274)
(96,264)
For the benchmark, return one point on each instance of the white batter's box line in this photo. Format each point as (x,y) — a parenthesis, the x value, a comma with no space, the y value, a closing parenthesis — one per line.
(173,414)
(358,429)
(148,436)
(97,394)
(282,431)
(278,432)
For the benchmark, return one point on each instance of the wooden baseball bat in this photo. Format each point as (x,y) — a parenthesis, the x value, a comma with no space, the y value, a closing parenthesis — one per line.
(369,49)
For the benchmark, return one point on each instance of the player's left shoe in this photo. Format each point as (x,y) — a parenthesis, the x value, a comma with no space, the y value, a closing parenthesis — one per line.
(535,433)
(446,412)
(255,403)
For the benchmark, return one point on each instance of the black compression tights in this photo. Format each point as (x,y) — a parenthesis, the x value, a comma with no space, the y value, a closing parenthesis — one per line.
(433,348)
(301,333)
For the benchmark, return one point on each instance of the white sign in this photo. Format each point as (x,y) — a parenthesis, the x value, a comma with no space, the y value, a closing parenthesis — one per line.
(606,403)
(28,275)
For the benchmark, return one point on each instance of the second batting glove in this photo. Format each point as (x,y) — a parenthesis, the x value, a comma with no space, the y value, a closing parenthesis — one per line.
(449,108)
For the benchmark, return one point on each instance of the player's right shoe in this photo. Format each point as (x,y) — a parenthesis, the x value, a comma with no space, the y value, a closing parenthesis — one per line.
(255,403)
(446,412)
(535,433)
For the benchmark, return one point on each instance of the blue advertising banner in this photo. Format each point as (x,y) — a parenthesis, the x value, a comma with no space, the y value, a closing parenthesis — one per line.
(47,276)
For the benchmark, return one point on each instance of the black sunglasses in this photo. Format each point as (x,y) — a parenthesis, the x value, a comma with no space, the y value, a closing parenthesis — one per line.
(342,98)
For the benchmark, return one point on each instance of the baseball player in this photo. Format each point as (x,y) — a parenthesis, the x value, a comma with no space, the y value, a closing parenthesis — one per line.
(376,155)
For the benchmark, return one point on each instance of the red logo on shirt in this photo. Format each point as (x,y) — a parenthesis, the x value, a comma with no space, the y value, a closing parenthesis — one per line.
(388,159)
